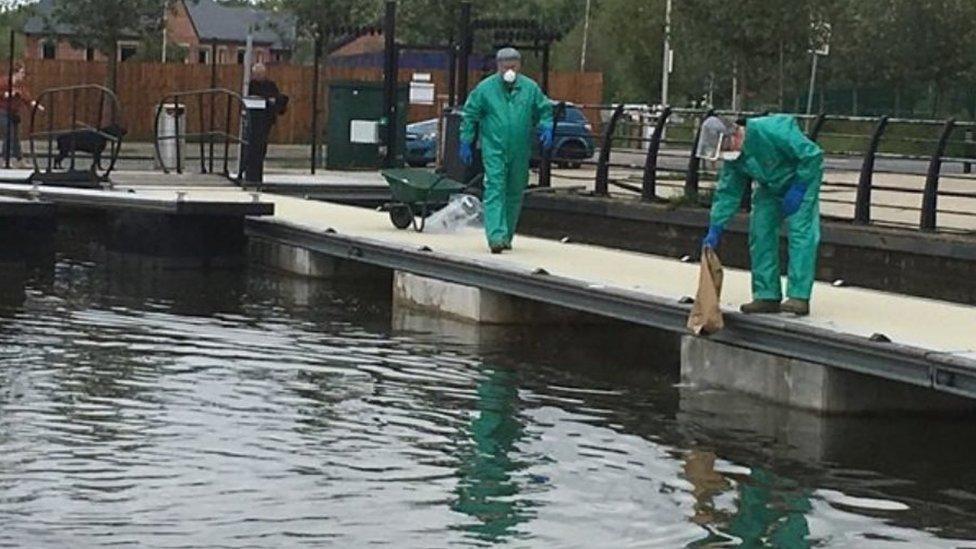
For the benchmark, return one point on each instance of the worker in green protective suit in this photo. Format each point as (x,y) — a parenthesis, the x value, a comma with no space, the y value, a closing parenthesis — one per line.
(505,108)
(787,168)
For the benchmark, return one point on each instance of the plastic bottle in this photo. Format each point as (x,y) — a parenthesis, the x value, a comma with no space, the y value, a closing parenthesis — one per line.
(462,210)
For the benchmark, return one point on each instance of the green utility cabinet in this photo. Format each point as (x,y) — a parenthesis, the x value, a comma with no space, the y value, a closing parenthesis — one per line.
(355,131)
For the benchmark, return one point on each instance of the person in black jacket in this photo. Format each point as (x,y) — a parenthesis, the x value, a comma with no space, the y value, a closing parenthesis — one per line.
(260,121)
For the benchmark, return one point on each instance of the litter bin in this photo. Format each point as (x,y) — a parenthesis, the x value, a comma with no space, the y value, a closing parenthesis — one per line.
(167,135)
(257,128)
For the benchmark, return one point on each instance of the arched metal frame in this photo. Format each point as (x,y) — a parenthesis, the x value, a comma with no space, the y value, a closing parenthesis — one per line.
(208,134)
(48,99)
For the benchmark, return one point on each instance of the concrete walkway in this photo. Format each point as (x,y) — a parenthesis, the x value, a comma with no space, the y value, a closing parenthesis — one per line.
(937,326)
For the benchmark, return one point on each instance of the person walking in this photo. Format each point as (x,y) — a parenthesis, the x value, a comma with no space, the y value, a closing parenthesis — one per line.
(15,102)
(504,109)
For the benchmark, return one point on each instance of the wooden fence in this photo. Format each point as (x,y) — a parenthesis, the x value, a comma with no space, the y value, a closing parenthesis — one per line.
(141,86)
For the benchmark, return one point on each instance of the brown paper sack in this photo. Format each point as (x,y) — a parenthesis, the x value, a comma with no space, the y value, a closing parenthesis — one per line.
(706,315)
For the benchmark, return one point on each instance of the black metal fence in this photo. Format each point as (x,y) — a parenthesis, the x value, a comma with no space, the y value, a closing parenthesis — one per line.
(208,118)
(646,151)
(85,118)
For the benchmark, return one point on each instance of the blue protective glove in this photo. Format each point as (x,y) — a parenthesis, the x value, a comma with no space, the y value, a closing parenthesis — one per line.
(545,135)
(793,197)
(466,153)
(712,237)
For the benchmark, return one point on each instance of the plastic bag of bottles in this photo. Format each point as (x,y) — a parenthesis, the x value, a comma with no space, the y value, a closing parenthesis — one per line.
(462,210)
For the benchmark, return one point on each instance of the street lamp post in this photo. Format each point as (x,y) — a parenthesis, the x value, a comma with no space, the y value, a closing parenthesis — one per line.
(586,35)
(820,46)
(668,62)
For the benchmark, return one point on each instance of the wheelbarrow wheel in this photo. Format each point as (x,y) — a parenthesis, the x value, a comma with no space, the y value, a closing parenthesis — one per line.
(401,216)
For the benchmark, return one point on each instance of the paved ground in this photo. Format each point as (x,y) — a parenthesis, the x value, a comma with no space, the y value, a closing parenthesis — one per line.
(931,324)
(288,164)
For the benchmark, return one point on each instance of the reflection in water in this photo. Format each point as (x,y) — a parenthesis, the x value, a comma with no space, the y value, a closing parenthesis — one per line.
(246,409)
(770,512)
(487,489)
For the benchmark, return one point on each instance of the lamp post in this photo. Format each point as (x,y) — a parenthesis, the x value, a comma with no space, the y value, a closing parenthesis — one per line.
(586,35)
(820,46)
(668,62)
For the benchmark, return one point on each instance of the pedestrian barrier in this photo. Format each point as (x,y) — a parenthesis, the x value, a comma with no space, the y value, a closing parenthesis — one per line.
(85,117)
(208,104)
(871,163)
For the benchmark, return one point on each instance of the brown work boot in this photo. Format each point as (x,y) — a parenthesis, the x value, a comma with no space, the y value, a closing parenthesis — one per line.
(799,307)
(761,306)
(496,248)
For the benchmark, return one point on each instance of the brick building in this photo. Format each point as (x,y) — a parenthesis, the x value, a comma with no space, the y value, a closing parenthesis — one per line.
(200,30)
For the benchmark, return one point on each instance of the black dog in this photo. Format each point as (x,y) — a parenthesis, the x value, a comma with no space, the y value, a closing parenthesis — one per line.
(88,141)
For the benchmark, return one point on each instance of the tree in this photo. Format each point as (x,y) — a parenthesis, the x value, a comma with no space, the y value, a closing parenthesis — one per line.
(315,18)
(429,21)
(101,24)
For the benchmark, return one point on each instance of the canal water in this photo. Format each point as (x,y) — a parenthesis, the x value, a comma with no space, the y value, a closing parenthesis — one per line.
(154,408)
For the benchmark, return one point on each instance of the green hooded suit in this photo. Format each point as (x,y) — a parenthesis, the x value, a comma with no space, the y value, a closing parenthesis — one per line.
(505,115)
(775,153)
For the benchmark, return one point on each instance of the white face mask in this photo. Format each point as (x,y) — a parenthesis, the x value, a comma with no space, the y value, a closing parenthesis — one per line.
(729,155)
(510,76)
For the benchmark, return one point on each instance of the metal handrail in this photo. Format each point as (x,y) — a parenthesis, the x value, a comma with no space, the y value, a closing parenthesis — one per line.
(883,137)
(52,134)
(210,135)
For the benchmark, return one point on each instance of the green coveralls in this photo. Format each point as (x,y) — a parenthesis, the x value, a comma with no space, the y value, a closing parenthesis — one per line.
(506,116)
(775,153)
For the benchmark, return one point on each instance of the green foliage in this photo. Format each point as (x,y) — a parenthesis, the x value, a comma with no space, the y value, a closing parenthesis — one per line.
(100,24)
(918,51)
(430,21)
(151,50)
(895,56)
(318,16)
(11,18)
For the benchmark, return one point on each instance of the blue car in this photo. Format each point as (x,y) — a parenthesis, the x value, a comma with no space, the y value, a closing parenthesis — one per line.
(573,141)
(421,148)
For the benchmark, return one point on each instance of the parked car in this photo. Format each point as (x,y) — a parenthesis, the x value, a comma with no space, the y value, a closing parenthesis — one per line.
(421,147)
(573,141)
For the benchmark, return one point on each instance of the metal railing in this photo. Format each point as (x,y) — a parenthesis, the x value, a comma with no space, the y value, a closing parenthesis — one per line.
(865,147)
(84,127)
(208,102)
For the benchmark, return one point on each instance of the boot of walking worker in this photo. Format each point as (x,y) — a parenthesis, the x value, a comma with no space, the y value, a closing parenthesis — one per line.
(787,168)
(509,110)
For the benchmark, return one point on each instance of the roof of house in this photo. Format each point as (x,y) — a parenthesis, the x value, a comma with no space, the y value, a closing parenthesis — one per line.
(217,22)
(36,24)
(212,21)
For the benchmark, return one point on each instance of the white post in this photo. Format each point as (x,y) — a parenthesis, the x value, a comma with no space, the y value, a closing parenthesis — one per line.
(165,5)
(711,89)
(668,56)
(245,84)
(735,85)
(813,80)
(586,34)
